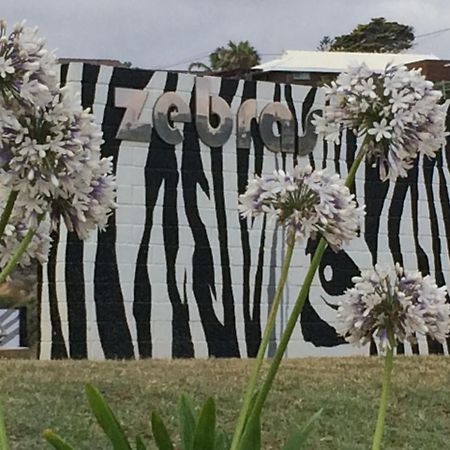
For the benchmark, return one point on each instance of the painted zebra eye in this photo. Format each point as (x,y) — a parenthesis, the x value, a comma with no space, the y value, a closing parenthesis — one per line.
(328,273)
(336,272)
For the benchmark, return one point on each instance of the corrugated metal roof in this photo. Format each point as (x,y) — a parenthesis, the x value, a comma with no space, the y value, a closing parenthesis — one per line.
(308,61)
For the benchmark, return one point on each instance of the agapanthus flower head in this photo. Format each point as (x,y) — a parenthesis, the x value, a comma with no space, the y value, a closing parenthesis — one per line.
(53,159)
(309,202)
(50,158)
(393,306)
(397,112)
(28,71)
(15,232)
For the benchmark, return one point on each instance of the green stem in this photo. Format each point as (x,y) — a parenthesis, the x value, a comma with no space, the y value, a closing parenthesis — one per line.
(263,346)
(356,162)
(284,340)
(300,301)
(388,363)
(6,214)
(18,252)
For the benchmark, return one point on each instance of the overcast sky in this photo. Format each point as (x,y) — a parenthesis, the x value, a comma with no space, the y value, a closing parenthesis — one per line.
(170,34)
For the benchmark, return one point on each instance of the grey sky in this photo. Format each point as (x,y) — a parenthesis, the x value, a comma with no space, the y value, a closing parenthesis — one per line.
(162,34)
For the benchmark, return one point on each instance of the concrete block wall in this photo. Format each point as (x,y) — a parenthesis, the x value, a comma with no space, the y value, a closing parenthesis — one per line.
(178,274)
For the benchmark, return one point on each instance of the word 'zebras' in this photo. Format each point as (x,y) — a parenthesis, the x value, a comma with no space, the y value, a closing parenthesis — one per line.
(178,274)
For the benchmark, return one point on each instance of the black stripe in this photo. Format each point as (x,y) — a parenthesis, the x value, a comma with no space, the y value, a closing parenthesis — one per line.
(161,167)
(257,292)
(74,273)
(445,206)
(58,348)
(434,347)
(351,147)
(228,89)
(395,217)
(63,74)
(306,107)
(251,324)
(76,296)
(375,192)
(115,340)
(272,283)
(277,98)
(337,155)
(447,146)
(314,328)
(219,343)
(394,220)
(38,322)
(422,260)
(291,106)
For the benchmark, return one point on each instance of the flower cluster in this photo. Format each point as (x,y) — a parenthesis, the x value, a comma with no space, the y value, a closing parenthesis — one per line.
(49,149)
(28,71)
(15,232)
(393,307)
(308,202)
(397,112)
(54,161)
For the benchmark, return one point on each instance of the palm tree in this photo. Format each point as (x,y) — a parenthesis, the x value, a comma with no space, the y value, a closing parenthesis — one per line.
(234,56)
(199,65)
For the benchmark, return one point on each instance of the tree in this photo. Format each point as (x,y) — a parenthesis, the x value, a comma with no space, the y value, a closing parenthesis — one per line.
(234,56)
(325,44)
(377,36)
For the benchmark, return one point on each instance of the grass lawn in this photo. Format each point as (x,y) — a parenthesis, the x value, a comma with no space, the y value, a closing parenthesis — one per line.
(38,394)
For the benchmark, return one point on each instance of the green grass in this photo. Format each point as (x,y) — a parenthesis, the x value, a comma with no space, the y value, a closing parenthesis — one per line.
(38,394)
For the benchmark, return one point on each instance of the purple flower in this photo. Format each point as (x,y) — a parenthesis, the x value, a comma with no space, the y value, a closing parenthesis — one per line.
(399,304)
(308,202)
(398,110)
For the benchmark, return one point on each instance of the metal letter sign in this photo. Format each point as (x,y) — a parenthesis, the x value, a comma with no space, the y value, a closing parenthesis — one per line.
(130,129)
(272,114)
(211,107)
(246,113)
(308,140)
(213,120)
(170,107)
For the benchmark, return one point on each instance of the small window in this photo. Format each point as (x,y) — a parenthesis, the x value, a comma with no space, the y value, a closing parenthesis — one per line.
(10,328)
(301,76)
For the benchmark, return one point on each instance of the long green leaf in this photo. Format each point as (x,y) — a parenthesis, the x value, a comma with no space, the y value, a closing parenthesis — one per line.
(251,437)
(205,432)
(106,419)
(187,422)
(140,444)
(56,441)
(221,442)
(3,437)
(160,433)
(298,438)
(250,407)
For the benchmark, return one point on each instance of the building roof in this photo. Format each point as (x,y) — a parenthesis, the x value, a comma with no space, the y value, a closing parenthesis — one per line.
(95,62)
(335,62)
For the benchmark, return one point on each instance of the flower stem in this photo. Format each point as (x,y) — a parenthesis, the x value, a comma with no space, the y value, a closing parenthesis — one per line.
(301,298)
(263,346)
(356,162)
(18,252)
(388,363)
(6,214)
(284,340)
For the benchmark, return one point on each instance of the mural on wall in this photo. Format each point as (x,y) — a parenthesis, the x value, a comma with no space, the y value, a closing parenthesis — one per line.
(177,273)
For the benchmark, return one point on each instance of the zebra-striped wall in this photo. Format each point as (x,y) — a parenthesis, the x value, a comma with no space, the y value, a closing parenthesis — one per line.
(178,274)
